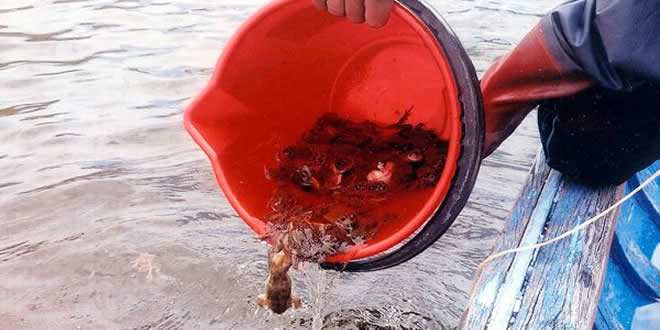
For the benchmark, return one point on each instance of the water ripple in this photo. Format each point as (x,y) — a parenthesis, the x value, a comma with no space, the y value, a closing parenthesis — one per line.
(8,184)
(10,10)
(98,26)
(37,37)
(67,1)
(172,73)
(44,116)
(510,11)
(163,104)
(56,73)
(138,51)
(62,63)
(18,250)
(87,177)
(26,108)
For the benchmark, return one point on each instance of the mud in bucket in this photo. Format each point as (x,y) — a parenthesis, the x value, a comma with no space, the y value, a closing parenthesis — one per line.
(290,63)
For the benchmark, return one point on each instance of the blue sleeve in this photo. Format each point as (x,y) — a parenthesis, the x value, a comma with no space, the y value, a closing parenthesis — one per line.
(615,42)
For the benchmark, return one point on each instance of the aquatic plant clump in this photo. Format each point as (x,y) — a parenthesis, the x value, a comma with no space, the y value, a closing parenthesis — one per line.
(331,182)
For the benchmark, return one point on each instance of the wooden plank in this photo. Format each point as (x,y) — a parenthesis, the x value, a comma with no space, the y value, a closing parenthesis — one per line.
(515,276)
(487,284)
(558,286)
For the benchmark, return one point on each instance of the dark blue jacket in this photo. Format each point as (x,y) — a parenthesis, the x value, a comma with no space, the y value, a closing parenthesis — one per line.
(616,42)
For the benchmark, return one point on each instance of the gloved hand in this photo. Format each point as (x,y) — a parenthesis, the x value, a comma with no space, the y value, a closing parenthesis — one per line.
(374,12)
(593,64)
(611,45)
(519,81)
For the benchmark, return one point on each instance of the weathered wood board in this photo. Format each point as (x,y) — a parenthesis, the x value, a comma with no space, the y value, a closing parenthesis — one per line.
(557,286)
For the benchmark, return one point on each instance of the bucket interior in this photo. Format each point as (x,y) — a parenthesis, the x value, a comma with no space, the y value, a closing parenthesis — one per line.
(291,63)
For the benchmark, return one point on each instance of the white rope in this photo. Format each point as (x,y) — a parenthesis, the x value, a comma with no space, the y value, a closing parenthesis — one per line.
(572,231)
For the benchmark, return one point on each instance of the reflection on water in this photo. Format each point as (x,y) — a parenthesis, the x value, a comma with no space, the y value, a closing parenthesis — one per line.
(111,217)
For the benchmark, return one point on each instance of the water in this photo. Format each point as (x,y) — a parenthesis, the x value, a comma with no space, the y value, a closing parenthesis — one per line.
(111,217)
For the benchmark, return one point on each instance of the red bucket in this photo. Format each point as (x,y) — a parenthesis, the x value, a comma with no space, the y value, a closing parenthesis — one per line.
(290,63)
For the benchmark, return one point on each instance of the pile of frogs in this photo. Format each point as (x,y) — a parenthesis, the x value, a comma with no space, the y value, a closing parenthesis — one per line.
(331,179)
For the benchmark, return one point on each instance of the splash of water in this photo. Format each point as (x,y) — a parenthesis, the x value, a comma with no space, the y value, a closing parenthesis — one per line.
(319,282)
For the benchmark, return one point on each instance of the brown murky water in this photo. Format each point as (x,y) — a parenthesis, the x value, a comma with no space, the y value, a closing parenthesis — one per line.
(110,217)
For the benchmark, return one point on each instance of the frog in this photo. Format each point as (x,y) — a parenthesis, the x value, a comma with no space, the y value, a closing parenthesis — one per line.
(338,169)
(382,173)
(277,295)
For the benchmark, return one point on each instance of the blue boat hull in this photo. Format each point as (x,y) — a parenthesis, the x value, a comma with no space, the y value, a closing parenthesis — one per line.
(630,297)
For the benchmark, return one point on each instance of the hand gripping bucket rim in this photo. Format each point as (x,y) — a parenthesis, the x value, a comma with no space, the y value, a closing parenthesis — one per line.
(467,140)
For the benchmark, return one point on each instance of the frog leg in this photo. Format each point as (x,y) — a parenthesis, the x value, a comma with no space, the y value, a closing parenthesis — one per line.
(261,300)
(295,301)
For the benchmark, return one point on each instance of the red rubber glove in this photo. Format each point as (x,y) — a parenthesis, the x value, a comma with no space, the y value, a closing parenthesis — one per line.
(374,12)
(517,82)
